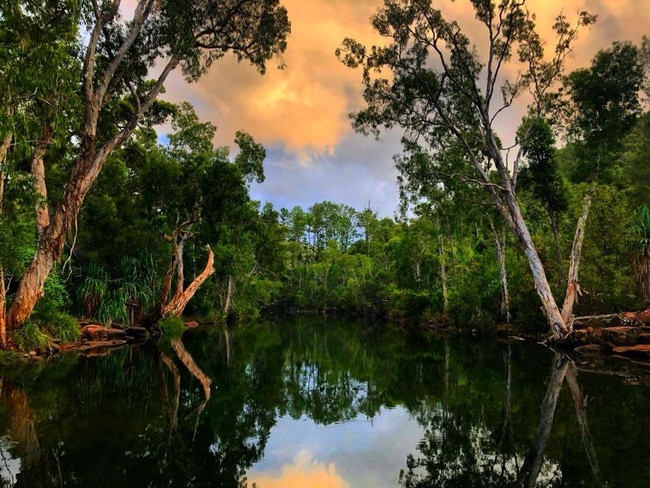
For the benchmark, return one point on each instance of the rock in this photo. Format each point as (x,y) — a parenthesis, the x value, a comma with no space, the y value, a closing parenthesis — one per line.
(94,332)
(192,324)
(116,334)
(97,332)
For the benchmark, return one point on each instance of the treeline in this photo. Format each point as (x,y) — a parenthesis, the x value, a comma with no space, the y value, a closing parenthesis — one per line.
(157,204)
(102,217)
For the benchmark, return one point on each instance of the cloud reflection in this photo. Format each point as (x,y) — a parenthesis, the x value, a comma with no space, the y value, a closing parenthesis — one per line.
(304,471)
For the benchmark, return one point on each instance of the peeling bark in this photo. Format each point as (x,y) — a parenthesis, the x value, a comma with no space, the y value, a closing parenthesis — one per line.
(90,159)
(179,301)
(503,274)
(38,173)
(573,285)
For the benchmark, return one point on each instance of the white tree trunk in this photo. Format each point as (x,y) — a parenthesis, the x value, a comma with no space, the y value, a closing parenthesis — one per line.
(573,285)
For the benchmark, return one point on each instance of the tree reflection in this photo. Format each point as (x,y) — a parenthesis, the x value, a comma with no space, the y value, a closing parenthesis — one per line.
(199,411)
(455,453)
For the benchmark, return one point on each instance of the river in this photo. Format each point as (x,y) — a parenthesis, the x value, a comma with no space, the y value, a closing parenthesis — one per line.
(315,403)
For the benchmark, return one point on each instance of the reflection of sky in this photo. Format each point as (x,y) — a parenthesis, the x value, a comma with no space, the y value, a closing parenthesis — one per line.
(359,453)
(9,466)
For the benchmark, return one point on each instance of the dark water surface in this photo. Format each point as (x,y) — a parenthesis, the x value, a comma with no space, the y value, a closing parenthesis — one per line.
(322,404)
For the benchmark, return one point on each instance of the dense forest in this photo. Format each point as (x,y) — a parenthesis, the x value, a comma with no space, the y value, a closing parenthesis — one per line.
(115,206)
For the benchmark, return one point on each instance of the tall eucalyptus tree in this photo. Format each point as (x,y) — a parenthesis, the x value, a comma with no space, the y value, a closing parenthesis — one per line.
(116,58)
(431,81)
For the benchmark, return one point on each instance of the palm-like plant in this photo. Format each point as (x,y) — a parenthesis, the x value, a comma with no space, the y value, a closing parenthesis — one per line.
(138,281)
(125,298)
(93,289)
(641,262)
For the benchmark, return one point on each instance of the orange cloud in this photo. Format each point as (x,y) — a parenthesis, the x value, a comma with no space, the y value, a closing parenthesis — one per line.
(303,472)
(305,106)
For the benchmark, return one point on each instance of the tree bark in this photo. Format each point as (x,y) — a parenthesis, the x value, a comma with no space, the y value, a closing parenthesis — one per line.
(22,427)
(229,292)
(503,274)
(4,147)
(38,173)
(573,286)
(3,308)
(193,368)
(443,274)
(557,323)
(172,404)
(178,303)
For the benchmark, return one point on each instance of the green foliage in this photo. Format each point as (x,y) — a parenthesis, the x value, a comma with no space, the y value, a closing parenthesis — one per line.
(55,299)
(31,338)
(93,288)
(642,227)
(61,326)
(641,259)
(172,327)
(112,309)
(605,273)
(538,145)
(604,106)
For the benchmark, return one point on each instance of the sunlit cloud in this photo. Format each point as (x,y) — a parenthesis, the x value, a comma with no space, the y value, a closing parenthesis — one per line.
(305,106)
(304,472)
(301,112)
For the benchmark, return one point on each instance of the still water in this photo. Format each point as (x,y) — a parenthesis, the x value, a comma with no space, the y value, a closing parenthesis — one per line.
(325,404)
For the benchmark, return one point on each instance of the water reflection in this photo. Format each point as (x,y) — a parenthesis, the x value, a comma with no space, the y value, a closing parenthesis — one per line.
(322,404)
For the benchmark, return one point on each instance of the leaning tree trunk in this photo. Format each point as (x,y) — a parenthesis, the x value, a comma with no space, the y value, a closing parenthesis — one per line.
(96,86)
(573,286)
(178,303)
(581,414)
(505,199)
(52,238)
(557,323)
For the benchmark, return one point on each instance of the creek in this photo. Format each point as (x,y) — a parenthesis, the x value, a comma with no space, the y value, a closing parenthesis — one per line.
(325,404)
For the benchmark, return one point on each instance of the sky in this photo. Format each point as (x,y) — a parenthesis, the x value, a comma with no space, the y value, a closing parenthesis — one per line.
(301,113)
(361,452)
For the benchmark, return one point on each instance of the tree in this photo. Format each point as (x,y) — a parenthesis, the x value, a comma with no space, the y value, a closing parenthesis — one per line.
(430,81)
(116,59)
(538,145)
(603,106)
